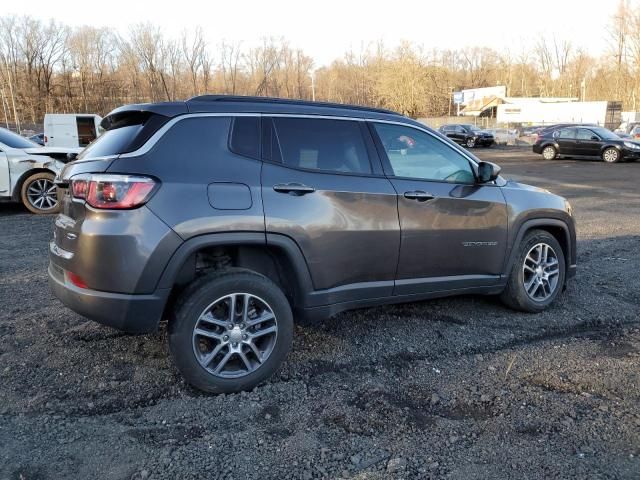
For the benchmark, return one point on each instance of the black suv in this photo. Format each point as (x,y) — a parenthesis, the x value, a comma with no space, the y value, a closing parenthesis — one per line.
(468,135)
(581,141)
(231,217)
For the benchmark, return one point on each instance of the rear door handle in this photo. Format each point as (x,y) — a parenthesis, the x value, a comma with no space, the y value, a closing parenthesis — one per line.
(419,195)
(293,188)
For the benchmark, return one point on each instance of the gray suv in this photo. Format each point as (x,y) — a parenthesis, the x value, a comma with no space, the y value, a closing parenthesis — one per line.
(231,217)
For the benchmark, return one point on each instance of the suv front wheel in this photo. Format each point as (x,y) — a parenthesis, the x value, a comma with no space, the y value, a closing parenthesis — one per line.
(537,274)
(231,331)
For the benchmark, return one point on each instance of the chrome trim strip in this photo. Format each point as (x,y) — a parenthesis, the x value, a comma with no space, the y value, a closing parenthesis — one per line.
(157,135)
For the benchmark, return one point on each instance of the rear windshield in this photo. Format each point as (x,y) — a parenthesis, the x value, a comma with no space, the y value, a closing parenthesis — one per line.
(13,140)
(112,142)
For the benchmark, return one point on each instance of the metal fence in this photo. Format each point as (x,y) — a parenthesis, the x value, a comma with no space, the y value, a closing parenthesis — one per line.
(480,122)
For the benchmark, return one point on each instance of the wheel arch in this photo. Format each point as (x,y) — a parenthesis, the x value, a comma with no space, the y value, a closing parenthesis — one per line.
(556,227)
(278,258)
(17,188)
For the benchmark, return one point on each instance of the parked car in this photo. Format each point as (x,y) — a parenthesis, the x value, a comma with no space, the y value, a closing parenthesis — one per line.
(27,171)
(233,217)
(71,129)
(468,135)
(586,142)
(628,128)
(528,131)
(38,138)
(504,136)
(547,130)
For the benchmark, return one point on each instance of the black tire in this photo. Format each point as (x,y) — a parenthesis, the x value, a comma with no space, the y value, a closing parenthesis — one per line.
(611,155)
(549,152)
(515,294)
(39,203)
(195,299)
(470,142)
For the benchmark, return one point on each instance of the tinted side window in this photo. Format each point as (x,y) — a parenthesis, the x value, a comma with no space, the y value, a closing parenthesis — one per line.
(416,154)
(245,136)
(565,133)
(584,134)
(319,144)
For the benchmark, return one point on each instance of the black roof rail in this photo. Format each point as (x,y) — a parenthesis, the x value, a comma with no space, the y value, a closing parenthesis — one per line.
(285,101)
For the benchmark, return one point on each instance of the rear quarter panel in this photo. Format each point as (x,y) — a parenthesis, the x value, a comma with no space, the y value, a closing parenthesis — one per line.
(188,159)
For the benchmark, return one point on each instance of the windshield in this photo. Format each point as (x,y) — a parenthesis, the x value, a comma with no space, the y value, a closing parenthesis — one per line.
(13,140)
(605,134)
(473,128)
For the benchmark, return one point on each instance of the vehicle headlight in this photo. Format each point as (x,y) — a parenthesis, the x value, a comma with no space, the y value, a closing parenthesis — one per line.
(631,145)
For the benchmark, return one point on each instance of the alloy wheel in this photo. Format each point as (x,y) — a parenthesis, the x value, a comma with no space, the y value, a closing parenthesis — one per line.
(42,194)
(235,335)
(610,155)
(549,153)
(541,271)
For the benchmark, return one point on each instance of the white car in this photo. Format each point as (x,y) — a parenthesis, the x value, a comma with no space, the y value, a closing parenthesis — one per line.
(27,171)
(505,136)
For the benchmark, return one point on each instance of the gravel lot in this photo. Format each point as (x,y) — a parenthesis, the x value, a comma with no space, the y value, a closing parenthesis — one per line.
(459,388)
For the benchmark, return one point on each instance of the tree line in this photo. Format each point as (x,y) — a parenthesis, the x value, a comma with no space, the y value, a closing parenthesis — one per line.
(51,67)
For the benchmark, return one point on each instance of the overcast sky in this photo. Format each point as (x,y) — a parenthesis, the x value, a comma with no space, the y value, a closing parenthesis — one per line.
(325,29)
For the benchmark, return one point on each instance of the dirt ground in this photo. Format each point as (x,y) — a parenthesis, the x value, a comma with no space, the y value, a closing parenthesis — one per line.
(460,388)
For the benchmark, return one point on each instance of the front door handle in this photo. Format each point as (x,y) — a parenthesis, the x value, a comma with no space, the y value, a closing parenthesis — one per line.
(293,188)
(419,195)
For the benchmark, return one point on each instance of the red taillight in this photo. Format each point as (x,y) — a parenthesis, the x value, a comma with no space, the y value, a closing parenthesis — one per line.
(113,191)
(76,280)
(79,188)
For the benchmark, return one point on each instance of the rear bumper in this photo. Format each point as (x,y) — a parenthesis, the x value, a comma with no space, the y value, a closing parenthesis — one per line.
(130,313)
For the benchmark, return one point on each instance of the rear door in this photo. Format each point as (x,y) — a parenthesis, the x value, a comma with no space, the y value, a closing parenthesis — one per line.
(323,187)
(86,127)
(453,230)
(566,139)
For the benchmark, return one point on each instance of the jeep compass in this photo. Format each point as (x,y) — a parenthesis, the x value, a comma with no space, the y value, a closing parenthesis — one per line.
(233,217)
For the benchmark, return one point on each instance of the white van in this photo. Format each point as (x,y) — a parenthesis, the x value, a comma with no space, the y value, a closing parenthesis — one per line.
(71,129)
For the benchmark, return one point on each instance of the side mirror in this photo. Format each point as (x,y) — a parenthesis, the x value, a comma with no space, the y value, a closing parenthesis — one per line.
(594,137)
(488,172)
(71,156)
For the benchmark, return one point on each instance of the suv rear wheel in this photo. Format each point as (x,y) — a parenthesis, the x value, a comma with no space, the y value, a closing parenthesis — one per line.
(231,331)
(537,274)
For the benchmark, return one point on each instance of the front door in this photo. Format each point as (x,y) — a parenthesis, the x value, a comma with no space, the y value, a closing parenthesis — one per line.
(453,230)
(323,187)
(588,142)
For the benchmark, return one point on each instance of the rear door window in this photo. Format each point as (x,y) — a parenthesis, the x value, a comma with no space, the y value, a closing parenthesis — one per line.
(565,133)
(322,144)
